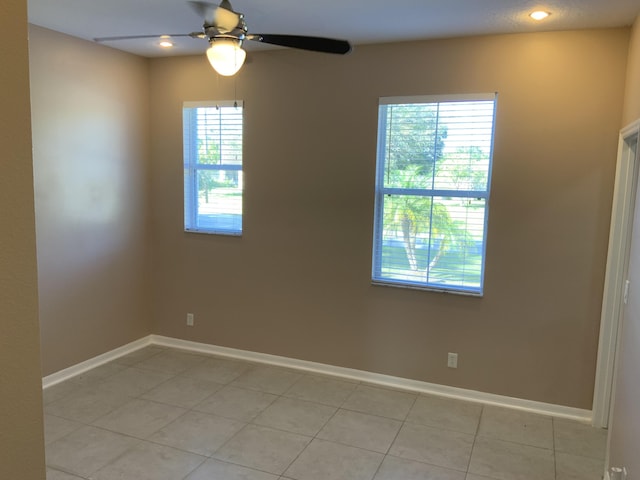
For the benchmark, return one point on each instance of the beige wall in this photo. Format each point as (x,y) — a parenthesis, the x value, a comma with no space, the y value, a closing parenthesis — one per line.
(624,434)
(631,110)
(21,436)
(298,282)
(90,144)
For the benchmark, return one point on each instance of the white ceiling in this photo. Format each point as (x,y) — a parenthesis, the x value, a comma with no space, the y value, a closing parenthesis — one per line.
(358,21)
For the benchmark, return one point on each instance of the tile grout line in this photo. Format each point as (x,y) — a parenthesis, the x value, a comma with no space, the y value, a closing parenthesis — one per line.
(475,437)
(66,471)
(250,421)
(553,445)
(315,436)
(404,421)
(97,382)
(136,366)
(341,407)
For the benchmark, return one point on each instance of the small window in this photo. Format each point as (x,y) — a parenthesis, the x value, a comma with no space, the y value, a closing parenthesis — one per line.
(432,192)
(213,167)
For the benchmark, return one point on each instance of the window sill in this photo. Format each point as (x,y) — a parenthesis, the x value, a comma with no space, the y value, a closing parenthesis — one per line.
(212,232)
(427,288)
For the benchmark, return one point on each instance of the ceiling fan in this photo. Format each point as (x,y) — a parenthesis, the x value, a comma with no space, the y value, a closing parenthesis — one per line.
(226,29)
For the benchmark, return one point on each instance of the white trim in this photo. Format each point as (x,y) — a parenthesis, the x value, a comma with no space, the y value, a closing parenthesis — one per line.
(559,411)
(214,103)
(617,263)
(417,386)
(94,362)
(462,97)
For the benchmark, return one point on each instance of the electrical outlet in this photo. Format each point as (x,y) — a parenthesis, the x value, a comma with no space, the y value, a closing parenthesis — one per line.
(452,360)
(190,319)
(617,473)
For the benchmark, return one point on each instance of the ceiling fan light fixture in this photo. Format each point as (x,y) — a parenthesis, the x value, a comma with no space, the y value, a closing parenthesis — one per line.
(539,15)
(226,56)
(165,41)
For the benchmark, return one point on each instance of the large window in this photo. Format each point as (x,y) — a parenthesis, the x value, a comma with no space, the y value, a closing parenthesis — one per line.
(432,191)
(213,167)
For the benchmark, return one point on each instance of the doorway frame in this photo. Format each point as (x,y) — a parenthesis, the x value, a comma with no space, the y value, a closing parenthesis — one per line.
(626,184)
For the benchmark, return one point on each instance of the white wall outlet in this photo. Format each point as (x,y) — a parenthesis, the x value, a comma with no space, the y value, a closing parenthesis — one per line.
(190,319)
(617,473)
(452,360)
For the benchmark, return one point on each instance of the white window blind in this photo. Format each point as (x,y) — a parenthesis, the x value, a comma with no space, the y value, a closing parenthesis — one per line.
(432,191)
(213,179)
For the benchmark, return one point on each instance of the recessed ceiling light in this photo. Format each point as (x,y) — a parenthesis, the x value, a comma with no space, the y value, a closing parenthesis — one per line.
(539,15)
(165,41)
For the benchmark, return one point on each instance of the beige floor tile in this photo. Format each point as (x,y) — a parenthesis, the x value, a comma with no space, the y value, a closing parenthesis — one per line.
(216,470)
(56,427)
(182,391)
(219,370)
(323,460)
(86,450)
(380,401)
(149,461)
(133,381)
(579,439)
(59,391)
(86,404)
(171,361)
(98,374)
(296,416)
(319,389)
(147,431)
(53,474)
(139,355)
(361,430)
(263,449)
(237,403)
(516,426)
(140,418)
(267,379)
(394,468)
(197,433)
(574,467)
(511,461)
(446,413)
(444,448)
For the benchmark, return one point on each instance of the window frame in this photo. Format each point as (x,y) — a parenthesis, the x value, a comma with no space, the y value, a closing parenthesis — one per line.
(381,191)
(192,168)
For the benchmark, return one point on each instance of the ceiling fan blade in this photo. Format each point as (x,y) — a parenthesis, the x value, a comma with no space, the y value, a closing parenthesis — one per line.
(220,16)
(133,37)
(226,20)
(316,44)
(205,10)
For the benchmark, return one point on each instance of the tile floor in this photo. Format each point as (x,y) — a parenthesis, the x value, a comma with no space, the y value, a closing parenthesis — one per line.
(165,414)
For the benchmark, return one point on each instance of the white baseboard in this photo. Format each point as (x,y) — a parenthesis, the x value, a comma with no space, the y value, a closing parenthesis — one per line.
(558,411)
(552,410)
(82,367)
